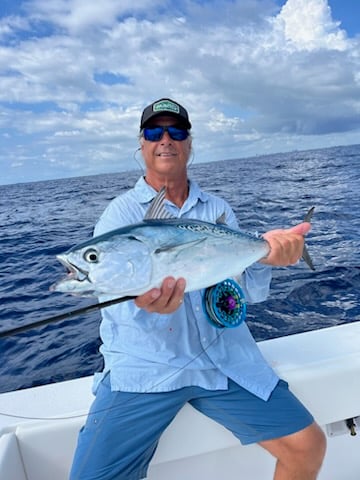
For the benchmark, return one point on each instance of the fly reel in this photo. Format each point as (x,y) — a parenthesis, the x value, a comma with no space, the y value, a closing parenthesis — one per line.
(224,304)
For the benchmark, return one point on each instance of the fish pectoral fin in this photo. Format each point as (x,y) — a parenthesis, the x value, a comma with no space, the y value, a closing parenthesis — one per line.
(178,246)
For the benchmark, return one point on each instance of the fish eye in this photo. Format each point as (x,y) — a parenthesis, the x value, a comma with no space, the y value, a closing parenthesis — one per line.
(91,255)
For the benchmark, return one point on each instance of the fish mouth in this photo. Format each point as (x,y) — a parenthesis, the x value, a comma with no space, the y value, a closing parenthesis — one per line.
(77,281)
(74,272)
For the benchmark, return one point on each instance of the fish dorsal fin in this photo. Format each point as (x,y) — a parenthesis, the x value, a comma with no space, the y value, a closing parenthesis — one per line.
(157,207)
(221,220)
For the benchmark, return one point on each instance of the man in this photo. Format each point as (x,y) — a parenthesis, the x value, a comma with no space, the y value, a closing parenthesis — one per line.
(160,352)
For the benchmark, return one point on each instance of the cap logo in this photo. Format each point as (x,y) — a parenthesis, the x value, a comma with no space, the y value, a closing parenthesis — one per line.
(166,106)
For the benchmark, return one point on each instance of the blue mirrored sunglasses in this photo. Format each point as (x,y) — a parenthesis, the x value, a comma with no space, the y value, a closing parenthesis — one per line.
(154,134)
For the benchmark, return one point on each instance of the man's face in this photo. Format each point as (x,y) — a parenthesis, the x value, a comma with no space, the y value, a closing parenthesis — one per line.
(166,156)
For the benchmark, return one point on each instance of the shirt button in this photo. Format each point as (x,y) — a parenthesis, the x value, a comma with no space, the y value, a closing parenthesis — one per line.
(204,339)
(197,308)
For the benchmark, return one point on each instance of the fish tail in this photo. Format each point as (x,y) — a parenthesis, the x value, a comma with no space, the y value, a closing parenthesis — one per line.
(309,215)
(305,255)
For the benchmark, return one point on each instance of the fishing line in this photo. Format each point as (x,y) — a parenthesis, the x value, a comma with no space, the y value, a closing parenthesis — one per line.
(62,316)
(223,305)
(70,417)
(225,413)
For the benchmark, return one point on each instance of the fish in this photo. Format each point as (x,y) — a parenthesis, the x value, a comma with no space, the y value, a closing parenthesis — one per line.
(131,260)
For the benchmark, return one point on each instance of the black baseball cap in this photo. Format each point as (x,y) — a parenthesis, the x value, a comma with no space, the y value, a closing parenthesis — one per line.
(165,106)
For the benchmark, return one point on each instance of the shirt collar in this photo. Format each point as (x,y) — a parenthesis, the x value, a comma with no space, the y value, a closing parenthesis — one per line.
(146,193)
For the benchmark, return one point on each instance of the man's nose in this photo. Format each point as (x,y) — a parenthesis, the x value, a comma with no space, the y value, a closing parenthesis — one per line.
(166,138)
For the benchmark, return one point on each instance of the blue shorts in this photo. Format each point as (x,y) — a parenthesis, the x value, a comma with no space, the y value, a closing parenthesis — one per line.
(123,429)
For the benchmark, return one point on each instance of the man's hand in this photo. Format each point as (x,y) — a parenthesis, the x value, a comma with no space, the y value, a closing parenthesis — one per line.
(165,299)
(286,245)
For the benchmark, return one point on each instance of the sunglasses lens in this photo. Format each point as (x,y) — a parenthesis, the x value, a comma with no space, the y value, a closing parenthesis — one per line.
(178,134)
(154,134)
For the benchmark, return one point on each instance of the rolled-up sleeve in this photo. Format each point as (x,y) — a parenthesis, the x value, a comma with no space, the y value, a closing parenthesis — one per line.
(255,282)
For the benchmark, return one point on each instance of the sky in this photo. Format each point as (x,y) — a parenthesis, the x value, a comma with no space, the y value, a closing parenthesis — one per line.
(257,77)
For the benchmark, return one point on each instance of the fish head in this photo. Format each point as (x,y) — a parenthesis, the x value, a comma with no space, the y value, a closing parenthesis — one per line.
(110,265)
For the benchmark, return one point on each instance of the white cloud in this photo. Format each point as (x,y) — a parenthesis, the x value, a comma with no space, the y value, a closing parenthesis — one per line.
(78,15)
(254,78)
(307,25)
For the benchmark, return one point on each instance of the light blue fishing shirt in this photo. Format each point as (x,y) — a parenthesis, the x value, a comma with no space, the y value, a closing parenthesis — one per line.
(150,352)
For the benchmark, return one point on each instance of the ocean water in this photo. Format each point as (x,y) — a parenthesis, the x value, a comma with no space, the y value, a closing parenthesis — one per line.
(40,220)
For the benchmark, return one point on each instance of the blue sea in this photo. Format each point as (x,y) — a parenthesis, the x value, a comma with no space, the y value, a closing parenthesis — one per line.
(40,220)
